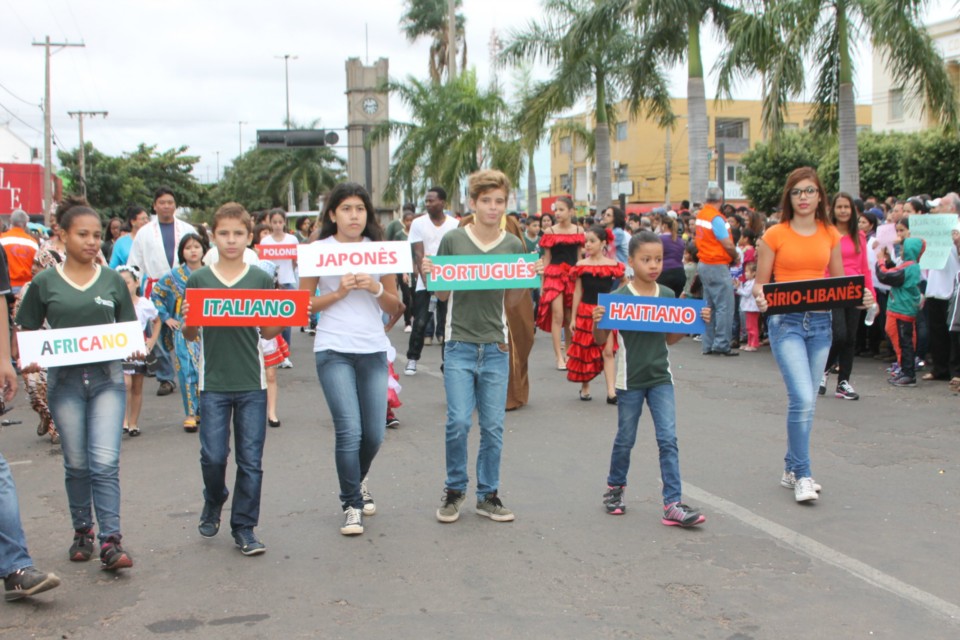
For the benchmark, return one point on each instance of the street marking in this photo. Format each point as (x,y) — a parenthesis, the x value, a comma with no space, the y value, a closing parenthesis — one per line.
(13,464)
(819,551)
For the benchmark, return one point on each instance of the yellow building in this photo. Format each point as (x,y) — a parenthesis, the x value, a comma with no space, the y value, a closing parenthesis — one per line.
(650,164)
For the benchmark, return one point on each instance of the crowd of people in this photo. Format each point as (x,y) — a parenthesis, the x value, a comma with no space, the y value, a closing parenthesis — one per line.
(139,269)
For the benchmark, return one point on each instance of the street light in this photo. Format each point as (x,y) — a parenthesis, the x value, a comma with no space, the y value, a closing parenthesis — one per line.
(240,123)
(286,76)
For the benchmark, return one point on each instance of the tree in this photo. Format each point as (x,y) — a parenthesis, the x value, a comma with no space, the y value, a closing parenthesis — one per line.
(246,180)
(929,164)
(310,171)
(816,35)
(454,129)
(429,18)
(767,166)
(595,54)
(881,157)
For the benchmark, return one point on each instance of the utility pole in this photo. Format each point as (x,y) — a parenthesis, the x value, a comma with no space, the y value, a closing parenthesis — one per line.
(48,127)
(286,78)
(240,123)
(218,166)
(668,156)
(83,151)
(451,39)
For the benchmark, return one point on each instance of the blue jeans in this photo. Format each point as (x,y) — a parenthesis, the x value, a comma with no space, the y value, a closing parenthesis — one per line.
(800,343)
(718,295)
(13,544)
(88,403)
(249,412)
(664,412)
(287,332)
(355,387)
(475,377)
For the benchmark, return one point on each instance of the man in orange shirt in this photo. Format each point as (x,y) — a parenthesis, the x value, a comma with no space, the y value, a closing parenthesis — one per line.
(21,248)
(716,253)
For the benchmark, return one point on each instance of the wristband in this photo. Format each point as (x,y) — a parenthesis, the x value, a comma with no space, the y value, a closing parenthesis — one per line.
(379,293)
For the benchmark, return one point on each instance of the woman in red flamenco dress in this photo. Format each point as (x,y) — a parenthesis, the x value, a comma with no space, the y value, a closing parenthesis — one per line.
(561,249)
(593,275)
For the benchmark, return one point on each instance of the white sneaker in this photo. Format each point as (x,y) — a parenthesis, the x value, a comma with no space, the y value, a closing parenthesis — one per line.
(789,481)
(369,507)
(352,522)
(823,385)
(804,491)
(411,369)
(286,364)
(408,328)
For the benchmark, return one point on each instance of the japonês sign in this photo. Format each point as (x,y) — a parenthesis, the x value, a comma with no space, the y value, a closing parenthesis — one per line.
(474,273)
(277,251)
(337,259)
(814,295)
(643,313)
(247,308)
(81,345)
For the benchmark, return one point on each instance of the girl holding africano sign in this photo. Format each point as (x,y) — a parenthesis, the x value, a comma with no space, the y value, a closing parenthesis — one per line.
(593,275)
(87,400)
(561,244)
(802,246)
(351,348)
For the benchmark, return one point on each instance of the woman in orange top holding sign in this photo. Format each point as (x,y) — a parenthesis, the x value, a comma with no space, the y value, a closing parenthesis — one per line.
(561,244)
(802,247)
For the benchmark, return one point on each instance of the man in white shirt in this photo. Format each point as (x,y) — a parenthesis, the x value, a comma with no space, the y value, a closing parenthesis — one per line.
(424,236)
(154,253)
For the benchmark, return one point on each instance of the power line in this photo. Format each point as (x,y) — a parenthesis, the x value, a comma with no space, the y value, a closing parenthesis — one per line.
(20,120)
(18,97)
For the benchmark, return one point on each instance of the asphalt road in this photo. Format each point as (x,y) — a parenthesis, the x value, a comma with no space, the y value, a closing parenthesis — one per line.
(875,557)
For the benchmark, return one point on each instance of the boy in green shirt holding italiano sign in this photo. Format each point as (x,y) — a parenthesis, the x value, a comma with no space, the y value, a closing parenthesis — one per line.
(476,357)
(232,381)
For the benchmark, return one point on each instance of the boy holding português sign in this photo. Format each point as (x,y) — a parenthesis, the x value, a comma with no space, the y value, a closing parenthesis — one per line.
(232,381)
(476,355)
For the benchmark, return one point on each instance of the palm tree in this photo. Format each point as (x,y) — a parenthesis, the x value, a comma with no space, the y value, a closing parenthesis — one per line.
(429,18)
(816,35)
(595,54)
(305,173)
(454,129)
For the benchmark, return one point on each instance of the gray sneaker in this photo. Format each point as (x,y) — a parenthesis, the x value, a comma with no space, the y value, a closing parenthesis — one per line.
(449,511)
(789,481)
(411,368)
(491,507)
(369,506)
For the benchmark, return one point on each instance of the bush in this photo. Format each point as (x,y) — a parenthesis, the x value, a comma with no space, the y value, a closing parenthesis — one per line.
(767,166)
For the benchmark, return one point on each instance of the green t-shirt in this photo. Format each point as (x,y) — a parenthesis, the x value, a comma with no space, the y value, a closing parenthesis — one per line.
(643,359)
(54,298)
(395,231)
(231,360)
(476,316)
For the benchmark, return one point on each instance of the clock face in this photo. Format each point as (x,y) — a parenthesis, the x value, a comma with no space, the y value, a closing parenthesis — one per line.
(370,105)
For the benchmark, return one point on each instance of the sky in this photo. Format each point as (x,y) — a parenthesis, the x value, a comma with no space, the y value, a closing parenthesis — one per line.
(188,72)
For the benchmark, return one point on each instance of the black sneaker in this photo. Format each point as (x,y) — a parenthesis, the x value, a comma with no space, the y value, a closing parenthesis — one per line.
(166,388)
(613,501)
(82,548)
(248,542)
(112,555)
(903,381)
(27,582)
(846,391)
(210,519)
(677,514)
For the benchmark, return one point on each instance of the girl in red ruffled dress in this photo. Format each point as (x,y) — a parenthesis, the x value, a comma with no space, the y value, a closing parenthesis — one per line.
(561,245)
(593,275)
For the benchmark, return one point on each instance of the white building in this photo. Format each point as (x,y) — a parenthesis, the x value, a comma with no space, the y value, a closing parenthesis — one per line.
(13,149)
(896,110)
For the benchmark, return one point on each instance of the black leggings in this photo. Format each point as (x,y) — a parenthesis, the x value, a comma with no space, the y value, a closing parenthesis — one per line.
(845,323)
(673,278)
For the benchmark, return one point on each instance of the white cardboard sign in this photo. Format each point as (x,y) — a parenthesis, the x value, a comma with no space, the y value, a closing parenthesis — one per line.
(81,345)
(337,259)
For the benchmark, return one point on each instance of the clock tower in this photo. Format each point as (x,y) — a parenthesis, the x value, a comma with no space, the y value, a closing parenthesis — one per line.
(367,107)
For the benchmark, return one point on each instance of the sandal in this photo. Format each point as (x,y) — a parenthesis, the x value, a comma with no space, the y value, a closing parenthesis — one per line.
(134,431)
(190,425)
(611,399)
(586,397)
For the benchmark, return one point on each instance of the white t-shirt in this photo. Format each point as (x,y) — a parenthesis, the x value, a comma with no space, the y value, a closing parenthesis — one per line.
(286,274)
(351,325)
(423,230)
(146,311)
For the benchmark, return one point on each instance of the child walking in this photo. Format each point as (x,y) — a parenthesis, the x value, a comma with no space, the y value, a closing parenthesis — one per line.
(134,370)
(232,383)
(594,275)
(643,374)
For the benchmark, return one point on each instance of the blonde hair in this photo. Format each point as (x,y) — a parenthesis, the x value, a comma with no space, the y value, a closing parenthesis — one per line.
(487,180)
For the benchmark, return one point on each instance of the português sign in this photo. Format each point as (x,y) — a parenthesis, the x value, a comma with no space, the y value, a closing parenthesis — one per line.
(247,308)
(81,345)
(277,251)
(474,273)
(337,259)
(814,295)
(647,313)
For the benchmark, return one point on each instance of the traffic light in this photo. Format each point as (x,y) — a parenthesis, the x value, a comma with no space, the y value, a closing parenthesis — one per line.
(295,138)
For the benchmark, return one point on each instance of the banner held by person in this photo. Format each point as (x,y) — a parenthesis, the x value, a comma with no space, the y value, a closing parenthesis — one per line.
(247,308)
(277,251)
(936,230)
(81,345)
(475,273)
(814,295)
(643,313)
(337,259)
